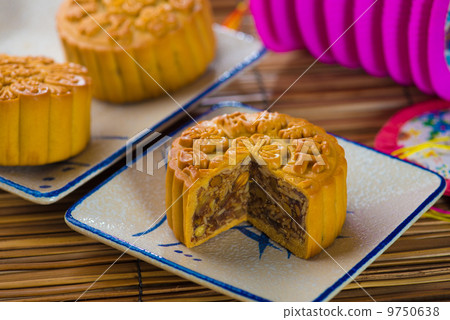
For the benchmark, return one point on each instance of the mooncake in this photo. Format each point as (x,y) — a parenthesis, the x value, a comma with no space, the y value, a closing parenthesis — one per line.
(284,175)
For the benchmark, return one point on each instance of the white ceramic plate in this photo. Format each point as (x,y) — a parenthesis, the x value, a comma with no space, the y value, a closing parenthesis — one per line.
(28,28)
(385,196)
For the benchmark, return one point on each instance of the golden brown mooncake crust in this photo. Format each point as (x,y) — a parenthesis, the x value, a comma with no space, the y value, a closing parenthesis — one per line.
(135,48)
(319,182)
(44,110)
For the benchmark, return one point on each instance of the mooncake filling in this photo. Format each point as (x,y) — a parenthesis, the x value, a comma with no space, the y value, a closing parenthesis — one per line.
(275,203)
(254,191)
(222,202)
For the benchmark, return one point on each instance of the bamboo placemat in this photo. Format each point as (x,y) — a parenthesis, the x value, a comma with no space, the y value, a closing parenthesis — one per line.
(41,259)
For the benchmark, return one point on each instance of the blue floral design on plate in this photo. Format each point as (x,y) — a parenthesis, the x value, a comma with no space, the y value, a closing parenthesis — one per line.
(246,229)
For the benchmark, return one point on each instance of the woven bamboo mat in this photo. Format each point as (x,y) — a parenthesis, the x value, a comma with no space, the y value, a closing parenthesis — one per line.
(41,259)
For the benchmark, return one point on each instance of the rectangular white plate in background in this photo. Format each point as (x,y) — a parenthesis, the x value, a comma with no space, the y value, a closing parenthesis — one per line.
(385,196)
(28,28)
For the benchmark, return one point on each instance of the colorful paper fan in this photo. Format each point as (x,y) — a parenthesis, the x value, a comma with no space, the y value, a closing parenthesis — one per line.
(420,134)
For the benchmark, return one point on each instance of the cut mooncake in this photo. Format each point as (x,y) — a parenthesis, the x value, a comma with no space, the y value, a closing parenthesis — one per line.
(44,110)
(136,49)
(284,175)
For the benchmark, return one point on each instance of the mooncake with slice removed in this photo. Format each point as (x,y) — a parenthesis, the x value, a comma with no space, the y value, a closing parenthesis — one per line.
(284,175)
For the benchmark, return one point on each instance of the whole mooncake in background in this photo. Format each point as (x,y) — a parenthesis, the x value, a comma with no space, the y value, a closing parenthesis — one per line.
(44,110)
(132,48)
(284,175)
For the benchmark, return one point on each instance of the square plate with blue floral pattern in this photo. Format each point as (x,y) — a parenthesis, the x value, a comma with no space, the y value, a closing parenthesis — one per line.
(30,30)
(385,196)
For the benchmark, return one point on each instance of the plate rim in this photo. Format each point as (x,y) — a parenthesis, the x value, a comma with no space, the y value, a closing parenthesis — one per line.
(57,194)
(224,287)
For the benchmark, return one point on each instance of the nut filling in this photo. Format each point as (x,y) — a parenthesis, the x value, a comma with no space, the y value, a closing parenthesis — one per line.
(227,196)
(231,195)
(289,221)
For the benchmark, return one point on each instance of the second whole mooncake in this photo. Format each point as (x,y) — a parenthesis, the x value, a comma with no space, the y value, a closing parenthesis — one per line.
(134,49)
(45,110)
(284,175)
